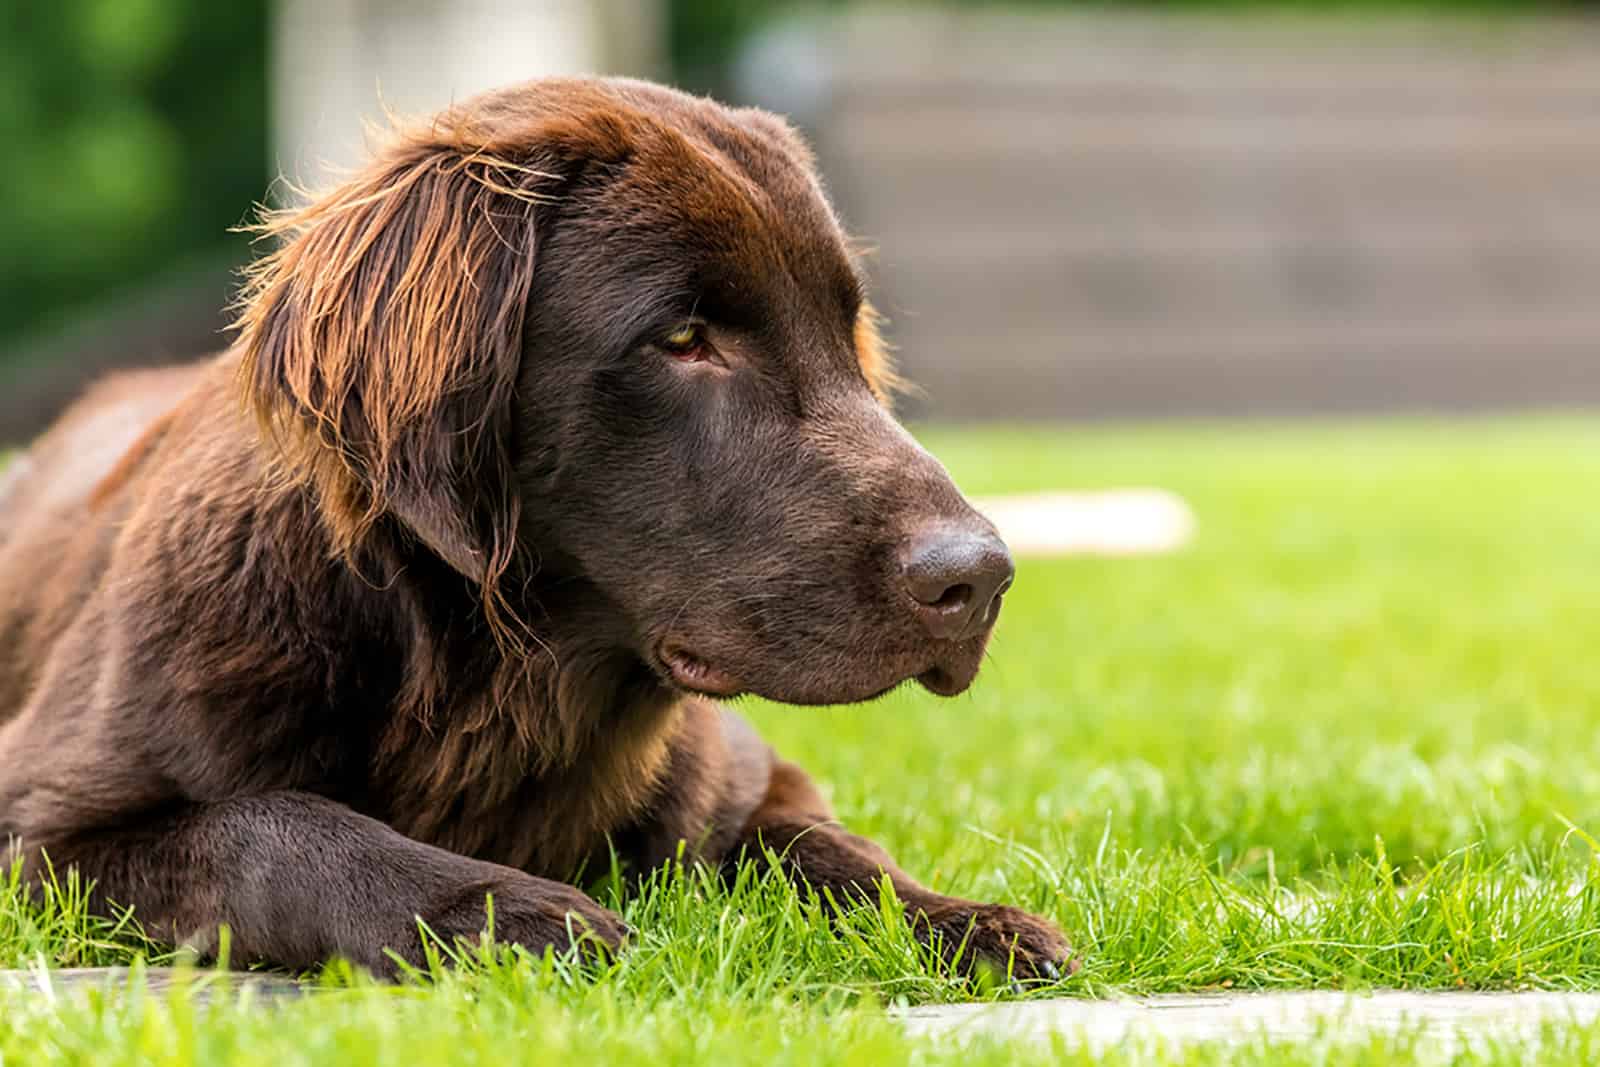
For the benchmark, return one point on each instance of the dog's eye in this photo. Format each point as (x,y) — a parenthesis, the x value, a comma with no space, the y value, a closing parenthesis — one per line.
(686,342)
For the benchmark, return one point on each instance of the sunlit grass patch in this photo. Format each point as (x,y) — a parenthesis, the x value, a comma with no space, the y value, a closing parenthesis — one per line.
(1346,739)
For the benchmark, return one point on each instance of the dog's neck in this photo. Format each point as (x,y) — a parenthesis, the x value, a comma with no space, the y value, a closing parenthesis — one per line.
(479,729)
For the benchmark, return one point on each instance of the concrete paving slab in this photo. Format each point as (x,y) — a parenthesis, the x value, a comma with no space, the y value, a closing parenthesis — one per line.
(55,983)
(1442,1021)
(1447,1020)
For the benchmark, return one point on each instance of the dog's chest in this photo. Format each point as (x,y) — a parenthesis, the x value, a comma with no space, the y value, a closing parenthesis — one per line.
(491,794)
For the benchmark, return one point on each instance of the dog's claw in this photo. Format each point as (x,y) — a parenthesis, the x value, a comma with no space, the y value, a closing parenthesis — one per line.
(1050,971)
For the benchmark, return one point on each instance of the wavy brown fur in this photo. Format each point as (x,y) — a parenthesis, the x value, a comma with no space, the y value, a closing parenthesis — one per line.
(441,620)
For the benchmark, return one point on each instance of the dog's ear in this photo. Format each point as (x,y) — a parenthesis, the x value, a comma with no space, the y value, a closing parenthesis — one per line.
(382,340)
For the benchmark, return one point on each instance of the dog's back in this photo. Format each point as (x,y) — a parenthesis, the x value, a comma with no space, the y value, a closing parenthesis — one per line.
(46,493)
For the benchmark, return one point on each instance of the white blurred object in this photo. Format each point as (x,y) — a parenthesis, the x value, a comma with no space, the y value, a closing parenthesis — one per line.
(338,63)
(1110,522)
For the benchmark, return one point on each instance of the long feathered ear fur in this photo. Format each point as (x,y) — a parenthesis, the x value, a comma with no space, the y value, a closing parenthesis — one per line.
(382,339)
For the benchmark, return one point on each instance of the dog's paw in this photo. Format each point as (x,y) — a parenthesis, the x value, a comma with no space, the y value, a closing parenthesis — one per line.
(536,914)
(561,917)
(1006,941)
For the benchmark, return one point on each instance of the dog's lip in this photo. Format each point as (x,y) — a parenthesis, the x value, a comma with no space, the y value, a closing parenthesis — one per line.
(946,669)
(953,673)
(690,672)
(941,681)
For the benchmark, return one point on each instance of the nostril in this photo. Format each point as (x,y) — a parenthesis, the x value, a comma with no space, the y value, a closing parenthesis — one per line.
(955,576)
(955,598)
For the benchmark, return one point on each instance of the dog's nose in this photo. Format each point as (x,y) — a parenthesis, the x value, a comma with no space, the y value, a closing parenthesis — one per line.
(955,575)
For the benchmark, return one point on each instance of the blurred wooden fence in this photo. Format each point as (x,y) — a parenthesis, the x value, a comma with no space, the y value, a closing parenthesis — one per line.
(1098,215)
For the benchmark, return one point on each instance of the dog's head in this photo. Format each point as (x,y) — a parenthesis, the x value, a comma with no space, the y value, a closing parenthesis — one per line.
(614,333)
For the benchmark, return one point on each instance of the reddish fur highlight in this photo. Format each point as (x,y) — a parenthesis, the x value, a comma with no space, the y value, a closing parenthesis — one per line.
(381,341)
(875,356)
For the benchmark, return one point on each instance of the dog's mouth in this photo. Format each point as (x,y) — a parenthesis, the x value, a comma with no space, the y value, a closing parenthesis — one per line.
(688,671)
(947,676)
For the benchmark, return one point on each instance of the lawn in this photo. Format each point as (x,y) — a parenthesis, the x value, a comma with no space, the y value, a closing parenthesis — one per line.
(1347,739)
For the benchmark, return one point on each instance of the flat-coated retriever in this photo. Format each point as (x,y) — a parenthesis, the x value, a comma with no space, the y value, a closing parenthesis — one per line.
(561,419)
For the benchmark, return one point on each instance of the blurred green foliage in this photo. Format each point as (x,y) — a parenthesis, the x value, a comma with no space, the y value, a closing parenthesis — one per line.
(135,133)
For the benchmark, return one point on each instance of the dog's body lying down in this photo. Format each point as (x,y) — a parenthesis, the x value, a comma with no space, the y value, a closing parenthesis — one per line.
(559,420)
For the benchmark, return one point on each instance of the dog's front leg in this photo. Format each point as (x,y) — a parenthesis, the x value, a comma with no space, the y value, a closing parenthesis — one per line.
(793,821)
(299,879)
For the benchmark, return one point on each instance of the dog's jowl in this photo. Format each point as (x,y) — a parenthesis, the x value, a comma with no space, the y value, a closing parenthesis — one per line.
(561,420)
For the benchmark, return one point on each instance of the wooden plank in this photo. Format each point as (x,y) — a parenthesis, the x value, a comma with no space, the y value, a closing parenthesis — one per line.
(1129,213)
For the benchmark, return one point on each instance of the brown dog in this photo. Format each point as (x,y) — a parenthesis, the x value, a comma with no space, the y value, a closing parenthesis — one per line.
(562,417)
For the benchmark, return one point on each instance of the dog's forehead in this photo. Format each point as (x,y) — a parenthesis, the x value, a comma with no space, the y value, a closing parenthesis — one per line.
(740,181)
(732,193)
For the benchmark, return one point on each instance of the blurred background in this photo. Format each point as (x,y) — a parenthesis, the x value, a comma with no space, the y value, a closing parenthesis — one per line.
(1204,209)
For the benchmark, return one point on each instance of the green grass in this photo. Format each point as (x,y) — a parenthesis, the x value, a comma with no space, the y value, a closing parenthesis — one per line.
(1347,739)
